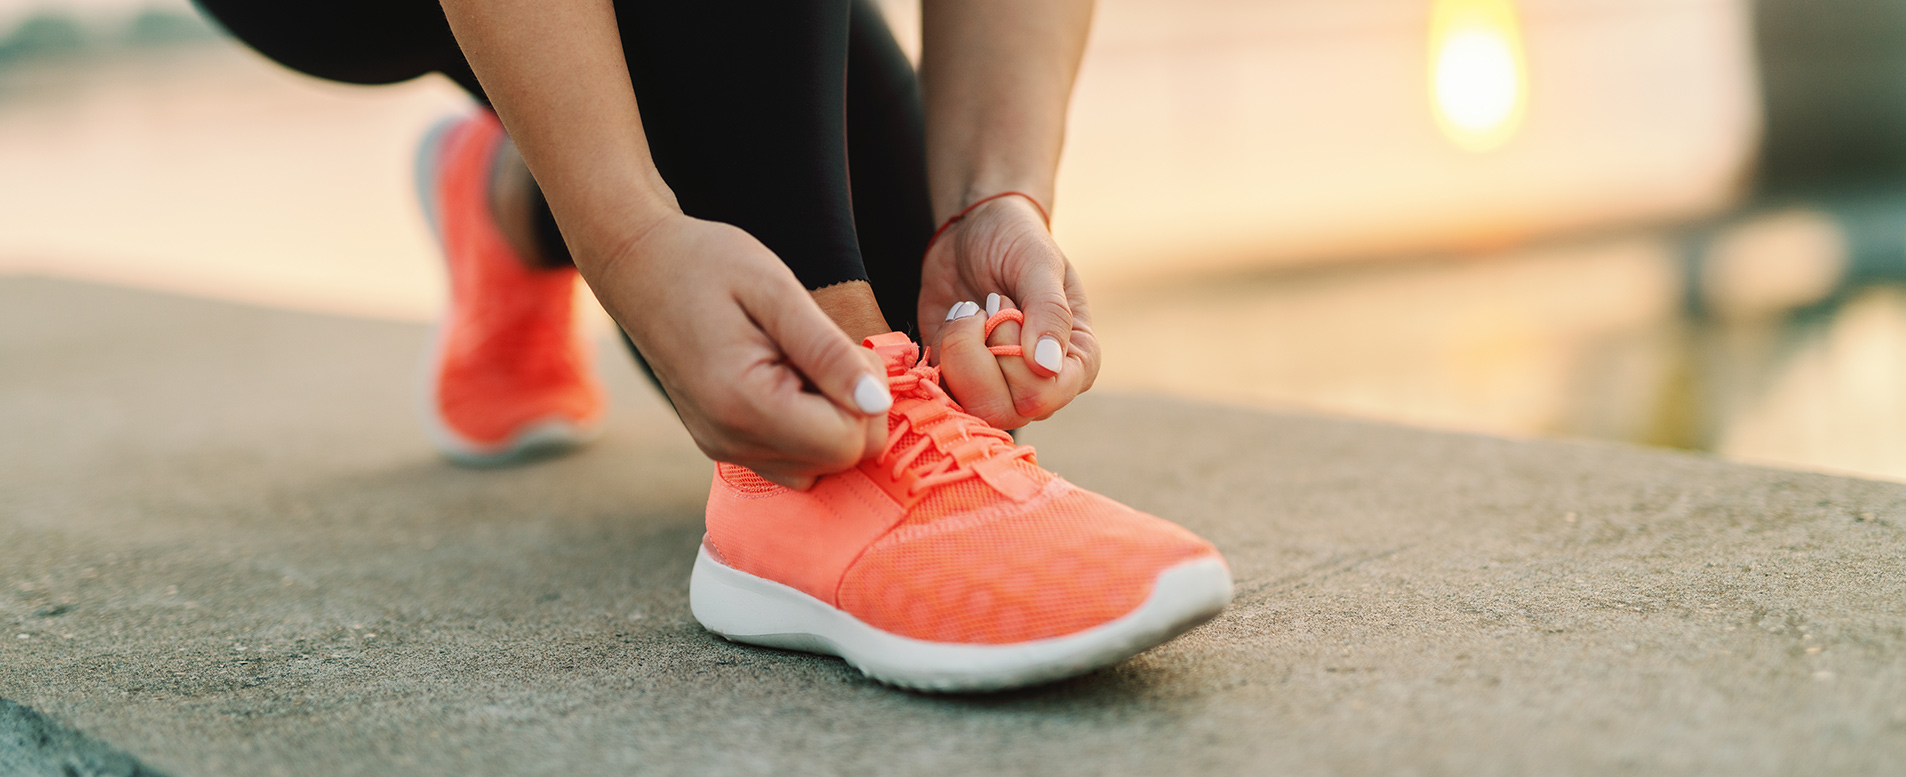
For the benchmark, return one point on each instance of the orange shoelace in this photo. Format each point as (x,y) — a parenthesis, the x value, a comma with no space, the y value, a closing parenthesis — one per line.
(950,445)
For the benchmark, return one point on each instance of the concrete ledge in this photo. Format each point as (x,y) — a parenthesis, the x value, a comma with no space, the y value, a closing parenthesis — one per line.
(227,549)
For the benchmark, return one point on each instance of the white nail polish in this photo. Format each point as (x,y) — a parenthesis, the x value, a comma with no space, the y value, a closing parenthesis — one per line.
(954,312)
(1047,354)
(872,396)
(992,305)
(964,309)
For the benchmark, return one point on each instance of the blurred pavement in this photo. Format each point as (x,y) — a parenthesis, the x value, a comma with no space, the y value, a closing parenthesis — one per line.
(228,550)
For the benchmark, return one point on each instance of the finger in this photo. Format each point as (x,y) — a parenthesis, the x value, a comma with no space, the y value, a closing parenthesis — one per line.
(962,310)
(1085,343)
(875,437)
(767,418)
(937,334)
(776,414)
(796,482)
(844,372)
(1034,396)
(972,373)
(1041,291)
(788,473)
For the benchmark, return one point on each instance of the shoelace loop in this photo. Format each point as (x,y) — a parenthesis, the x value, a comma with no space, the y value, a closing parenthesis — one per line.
(977,442)
(993,323)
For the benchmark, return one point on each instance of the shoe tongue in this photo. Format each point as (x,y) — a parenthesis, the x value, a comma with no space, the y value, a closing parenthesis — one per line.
(895,349)
(1017,479)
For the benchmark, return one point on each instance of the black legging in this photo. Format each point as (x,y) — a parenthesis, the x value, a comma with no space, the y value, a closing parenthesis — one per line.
(796,120)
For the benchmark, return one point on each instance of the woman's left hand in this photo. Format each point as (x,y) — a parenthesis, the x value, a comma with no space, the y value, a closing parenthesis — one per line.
(1002,247)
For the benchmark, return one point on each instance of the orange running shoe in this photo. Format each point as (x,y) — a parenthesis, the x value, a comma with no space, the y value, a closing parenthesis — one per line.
(509,376)
(951,561)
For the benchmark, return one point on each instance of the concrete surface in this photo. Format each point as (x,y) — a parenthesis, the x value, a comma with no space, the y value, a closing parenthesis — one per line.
(227,550)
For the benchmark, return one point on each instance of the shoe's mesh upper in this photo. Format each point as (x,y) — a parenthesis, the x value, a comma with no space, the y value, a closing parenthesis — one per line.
(968,563)
(1065,566)
(745,481)
(961,496)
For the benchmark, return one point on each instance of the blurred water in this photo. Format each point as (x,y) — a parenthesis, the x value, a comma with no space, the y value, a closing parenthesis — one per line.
(1772,332)
(1619,337)
(206,169)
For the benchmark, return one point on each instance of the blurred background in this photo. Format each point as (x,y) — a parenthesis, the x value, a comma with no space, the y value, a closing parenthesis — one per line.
(1668,222)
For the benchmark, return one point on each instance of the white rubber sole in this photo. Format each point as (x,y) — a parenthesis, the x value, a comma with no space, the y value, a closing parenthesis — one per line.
(744,608)
(535,440)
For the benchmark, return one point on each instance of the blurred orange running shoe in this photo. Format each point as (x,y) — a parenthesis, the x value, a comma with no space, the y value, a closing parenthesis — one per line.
(951,561)
(509,376)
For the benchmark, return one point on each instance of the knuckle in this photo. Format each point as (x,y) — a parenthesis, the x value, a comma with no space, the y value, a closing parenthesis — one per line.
(721,408)
(1051,296)
(1088,376)
(730,415)
(1004,419)
(1046,314)
(825,354)
(1053,304)
(841,358)
(1035,401)
(719,449)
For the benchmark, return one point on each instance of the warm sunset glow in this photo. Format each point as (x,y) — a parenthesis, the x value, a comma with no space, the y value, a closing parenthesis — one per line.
(1478,82)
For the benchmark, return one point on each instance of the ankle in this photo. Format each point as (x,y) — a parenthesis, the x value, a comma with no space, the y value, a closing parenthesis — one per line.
(852,306)
(514,204)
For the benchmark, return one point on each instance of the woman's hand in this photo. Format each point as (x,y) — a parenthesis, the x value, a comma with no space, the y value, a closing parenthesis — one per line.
(1002,247)
(995,76)
(760,376)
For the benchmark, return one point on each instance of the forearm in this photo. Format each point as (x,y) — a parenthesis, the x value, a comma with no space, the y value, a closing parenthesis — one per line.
(555,73)
(996,77)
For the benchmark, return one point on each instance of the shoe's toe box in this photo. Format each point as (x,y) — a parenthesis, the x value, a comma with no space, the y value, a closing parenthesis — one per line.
(1003,576)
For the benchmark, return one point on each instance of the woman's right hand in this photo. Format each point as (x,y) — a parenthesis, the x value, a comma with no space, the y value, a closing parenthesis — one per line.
(760,376)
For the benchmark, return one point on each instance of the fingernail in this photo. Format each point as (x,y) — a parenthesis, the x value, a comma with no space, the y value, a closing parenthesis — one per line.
(872,395)
(961,310)
(992,305)
(1047,354)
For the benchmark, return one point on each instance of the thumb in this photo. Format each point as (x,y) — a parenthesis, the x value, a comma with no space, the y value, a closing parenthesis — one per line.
(1048,329)
(847,374)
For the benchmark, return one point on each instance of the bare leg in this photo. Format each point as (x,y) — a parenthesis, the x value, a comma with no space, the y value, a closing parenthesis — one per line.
(852,306)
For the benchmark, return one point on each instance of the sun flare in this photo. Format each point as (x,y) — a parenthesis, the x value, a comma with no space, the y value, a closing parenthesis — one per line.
(1478,81)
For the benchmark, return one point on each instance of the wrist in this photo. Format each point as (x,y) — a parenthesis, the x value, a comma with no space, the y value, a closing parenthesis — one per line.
(622,270)
(1002,205)
(616,242)
(949,204)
